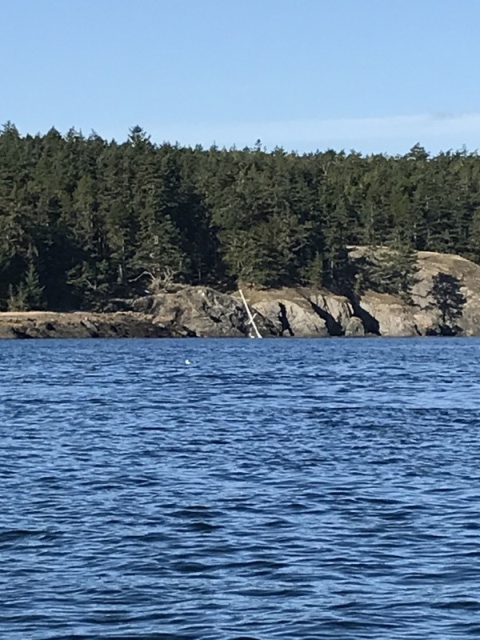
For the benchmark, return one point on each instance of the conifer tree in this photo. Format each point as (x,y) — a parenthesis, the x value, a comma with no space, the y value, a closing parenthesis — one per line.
(28,295)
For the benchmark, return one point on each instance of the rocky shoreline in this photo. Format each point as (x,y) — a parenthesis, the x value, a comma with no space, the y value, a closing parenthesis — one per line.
(185,311)
(78,324)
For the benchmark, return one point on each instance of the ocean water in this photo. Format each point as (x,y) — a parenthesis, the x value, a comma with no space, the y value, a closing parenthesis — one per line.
(270,489)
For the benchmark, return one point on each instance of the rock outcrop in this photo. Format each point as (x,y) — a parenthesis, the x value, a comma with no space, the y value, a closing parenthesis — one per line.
(393,316)
(447,294)
(444,301)
(304,312)
(46,324)
(202,312)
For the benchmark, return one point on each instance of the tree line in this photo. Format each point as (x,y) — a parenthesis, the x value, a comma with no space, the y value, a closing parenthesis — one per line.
(84,219)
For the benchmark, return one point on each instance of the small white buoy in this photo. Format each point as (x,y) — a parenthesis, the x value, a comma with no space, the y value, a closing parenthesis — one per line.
(187,361)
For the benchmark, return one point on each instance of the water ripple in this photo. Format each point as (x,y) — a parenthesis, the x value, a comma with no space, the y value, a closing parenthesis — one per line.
(271,490)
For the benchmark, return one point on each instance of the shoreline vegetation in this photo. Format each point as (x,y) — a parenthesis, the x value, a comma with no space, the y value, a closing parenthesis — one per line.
(100,238)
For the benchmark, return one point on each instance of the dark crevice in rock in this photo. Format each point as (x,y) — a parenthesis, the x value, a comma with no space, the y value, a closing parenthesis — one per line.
(22,334)
(370,323)
(334,328)
(283,319)
(185,332)
(443,330)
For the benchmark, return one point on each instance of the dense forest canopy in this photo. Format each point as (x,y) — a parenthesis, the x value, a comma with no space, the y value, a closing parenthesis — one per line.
(83,219)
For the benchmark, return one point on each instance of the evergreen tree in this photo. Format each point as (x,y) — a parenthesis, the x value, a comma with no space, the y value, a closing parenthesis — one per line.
(91,216)
(28,295)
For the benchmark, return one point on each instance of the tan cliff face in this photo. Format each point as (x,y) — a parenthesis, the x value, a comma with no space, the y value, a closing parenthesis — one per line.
(445,300)
(454,305)
(305,312)
(466,276)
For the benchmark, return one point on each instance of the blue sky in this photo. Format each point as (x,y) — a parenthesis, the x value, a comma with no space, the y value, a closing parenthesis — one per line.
(369,75)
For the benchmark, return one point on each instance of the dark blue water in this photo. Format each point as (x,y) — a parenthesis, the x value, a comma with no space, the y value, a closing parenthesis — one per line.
(270,489)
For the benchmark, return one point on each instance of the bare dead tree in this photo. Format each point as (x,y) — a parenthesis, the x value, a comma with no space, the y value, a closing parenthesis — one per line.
(158,282)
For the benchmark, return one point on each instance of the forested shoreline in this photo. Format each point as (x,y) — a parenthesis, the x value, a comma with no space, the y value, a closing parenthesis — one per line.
(83,219)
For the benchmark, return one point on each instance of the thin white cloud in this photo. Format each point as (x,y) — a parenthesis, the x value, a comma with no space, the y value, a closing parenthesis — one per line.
(390,133)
